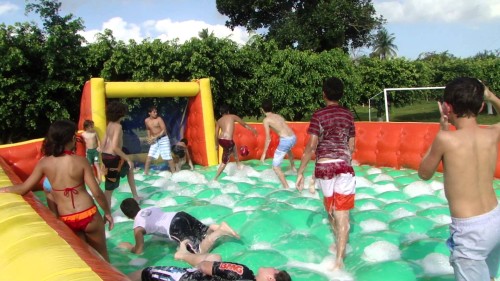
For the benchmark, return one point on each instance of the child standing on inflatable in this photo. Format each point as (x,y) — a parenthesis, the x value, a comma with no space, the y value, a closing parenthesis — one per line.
(158,139)
(68,175)
(92,145)
(331,136)
(469,155)
(116,163)
(287,140)
(224,130)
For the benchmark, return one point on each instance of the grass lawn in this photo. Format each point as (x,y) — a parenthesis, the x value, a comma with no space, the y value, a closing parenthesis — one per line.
(418,112)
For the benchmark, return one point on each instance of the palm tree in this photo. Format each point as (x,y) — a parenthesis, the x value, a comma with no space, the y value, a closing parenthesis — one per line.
(383,45)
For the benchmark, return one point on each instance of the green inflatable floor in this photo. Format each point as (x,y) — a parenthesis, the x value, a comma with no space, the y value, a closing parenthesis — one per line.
(398,226)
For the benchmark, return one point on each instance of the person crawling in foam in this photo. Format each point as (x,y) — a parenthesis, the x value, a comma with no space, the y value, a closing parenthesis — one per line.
(175,226)
(206,267)
(180,154)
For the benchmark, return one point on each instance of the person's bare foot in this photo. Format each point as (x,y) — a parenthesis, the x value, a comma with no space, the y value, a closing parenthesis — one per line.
(227,230)
(240,166)
(138,199)
(312,186)
(182,250)
(339,265)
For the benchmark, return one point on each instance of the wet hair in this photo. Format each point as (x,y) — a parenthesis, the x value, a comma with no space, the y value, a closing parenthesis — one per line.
(60,133)
(151,108)
(178,151)
(223,109)
(333,88)
(116,110)
(282,275)
(130,207)
(267,105)
(87,124)
(465,95)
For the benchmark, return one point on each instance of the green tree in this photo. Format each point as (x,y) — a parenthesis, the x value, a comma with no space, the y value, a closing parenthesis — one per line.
(42,72)
(383,45)
(315,25)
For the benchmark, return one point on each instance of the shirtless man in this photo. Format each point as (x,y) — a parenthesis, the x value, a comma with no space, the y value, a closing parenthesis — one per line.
(116,163)
(158,139)
(287,140)
(224,130)
(92,145)
(469,157)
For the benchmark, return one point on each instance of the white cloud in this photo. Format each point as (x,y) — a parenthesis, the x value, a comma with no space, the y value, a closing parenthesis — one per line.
(7,7)
(164,30)
(447,11)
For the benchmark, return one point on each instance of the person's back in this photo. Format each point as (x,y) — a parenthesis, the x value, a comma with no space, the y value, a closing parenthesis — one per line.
(470,157)
(113,131)
(278,124)
(226,125)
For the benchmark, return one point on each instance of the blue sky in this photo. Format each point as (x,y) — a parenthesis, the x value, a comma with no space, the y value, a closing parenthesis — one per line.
(461,27)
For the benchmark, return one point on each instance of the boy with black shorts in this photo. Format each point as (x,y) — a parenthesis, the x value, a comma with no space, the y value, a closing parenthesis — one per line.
(175,226)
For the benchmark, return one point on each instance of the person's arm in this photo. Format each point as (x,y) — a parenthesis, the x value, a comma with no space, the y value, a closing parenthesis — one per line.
(28,184)
(432,158)
(117,137)
(217,128)
(188,158)
(206,267)
(245,125)
(352,144)
(492,98)
(139,242)
(91,183)
(268,139)
(308,152)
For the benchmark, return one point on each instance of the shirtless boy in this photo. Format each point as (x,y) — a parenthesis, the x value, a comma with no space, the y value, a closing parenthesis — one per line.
(158,139)
(180,154)
(224,130)
(287,140)
(116,163)
(175,226)
(469,157)
(92,145)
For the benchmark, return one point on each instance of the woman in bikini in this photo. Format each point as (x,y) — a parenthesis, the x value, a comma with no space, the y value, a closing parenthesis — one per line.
(68,175)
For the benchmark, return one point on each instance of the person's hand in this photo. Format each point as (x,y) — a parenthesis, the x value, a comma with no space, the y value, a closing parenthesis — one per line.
(151,140)
(130,164)
(254,131)
(109,218)
(488,94)
(98,149)
(444,111)
(300,182)
(126,245)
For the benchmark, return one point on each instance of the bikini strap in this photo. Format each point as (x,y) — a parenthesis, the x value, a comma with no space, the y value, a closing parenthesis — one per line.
(70,191)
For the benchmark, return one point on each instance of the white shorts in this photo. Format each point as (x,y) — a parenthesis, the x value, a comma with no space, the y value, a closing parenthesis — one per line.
(160,148)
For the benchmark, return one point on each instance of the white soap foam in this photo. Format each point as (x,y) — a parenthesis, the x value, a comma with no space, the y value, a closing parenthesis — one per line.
(436,264)
(381,251)
(363,182)
(418,188)
(369,206)
(401,213)
(139,262)
(372,225)
(189,177)
(383,177)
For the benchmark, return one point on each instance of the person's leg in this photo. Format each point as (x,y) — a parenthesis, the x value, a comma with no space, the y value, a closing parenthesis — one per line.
(212,236)
(108,194)
(193,259)
(292,164)
(281,176)
(96,237)
(133,187)
(136,275)
(146,165)
(98,172)
(171,166)
(222,166)
(341,224)
(236,158)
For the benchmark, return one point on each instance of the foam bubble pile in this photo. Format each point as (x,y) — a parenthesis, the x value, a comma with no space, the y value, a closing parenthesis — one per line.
(398,227)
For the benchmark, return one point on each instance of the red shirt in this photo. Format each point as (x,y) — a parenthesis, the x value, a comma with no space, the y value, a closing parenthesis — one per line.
(334,126)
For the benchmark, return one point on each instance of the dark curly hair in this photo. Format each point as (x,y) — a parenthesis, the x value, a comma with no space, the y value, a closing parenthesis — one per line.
(60,133)
(333,88)
(130,208)
(115,110)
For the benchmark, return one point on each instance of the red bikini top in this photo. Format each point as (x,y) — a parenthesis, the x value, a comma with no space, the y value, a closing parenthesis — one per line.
(70,191)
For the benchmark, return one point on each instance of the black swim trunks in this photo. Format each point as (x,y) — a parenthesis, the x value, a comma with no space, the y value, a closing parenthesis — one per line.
(114,169)
(184,226)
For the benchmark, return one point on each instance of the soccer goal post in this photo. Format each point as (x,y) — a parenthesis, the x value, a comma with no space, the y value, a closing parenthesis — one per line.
(386,104)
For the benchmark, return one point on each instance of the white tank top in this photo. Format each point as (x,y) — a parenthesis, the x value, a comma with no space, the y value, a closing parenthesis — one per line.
(154,221)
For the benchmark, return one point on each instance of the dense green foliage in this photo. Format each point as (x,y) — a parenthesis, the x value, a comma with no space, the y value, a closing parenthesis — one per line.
(44,69)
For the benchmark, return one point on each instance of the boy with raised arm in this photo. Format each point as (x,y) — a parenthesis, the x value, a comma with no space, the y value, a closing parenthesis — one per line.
(224,130)
(287,140)
(469,157)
